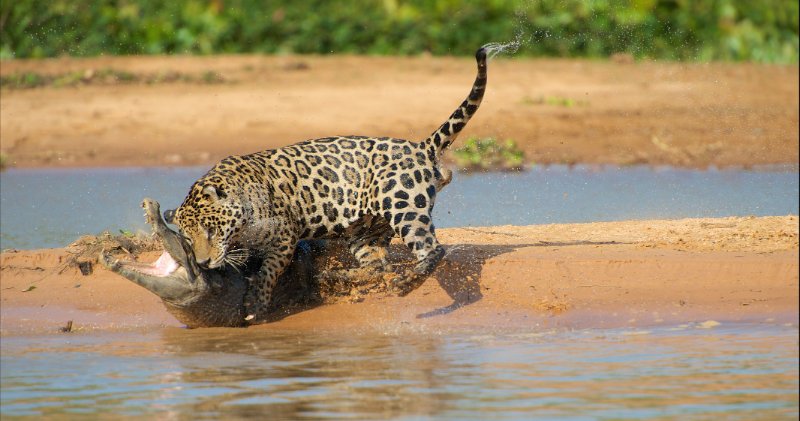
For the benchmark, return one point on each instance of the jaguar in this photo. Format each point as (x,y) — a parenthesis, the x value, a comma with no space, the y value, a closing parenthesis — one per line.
(365,190)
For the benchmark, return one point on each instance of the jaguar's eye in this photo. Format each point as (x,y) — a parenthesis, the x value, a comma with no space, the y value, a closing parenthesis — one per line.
(211,232)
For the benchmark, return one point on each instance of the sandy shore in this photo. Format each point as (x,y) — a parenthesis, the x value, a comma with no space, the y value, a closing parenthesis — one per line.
(636,273)
(558,111)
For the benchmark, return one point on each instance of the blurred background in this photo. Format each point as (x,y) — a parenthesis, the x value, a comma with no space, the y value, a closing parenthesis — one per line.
(697,30)
(609,110)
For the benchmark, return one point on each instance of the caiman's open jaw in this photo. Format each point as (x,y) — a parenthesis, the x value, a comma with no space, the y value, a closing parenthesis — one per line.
(163,267)
(196,296)
(172,277)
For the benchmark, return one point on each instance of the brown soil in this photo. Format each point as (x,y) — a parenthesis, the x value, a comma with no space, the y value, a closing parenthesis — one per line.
(558,111)
(636,273)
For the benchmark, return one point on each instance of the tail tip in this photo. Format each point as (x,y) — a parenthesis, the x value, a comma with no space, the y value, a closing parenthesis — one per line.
(480,55)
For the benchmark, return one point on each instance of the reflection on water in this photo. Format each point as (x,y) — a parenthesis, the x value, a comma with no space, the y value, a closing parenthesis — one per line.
(744,371)
(51,208)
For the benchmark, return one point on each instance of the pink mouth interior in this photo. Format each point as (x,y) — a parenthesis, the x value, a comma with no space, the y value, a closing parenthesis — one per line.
(164,266)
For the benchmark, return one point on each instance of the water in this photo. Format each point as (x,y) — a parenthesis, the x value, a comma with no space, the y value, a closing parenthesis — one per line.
(739,371)
(744,371)
(51,208)
(511,47)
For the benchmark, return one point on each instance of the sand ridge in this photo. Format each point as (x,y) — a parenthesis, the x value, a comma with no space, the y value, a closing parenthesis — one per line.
(609,274)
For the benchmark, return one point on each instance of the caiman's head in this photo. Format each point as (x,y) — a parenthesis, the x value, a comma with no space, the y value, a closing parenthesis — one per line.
(209,219)
(197,297)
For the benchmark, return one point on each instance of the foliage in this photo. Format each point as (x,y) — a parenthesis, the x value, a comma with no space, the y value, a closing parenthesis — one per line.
(765,31)
(107,76)
(489,154)
(557,101)
(127,233)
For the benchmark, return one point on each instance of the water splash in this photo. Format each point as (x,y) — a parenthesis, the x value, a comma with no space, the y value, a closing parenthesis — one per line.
(511,47)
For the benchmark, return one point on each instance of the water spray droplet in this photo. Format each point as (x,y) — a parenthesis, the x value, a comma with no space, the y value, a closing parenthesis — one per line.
(511,47)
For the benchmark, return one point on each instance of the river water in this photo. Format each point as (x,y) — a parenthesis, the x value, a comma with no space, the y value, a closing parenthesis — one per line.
(729,371)
(737,371)
(53,207)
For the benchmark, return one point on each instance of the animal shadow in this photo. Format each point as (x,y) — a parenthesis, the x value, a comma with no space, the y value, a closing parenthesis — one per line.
(458,275)
(460,272)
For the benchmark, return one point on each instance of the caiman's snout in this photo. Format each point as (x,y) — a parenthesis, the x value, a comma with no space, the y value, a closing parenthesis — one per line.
(193,295)
(167,277)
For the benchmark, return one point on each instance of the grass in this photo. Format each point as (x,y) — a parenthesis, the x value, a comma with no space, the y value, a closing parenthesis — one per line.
(23,80)
(556,101)
(488,154)
(107,76)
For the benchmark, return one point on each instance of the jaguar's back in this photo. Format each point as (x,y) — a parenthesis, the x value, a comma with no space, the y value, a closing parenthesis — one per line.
(366,189)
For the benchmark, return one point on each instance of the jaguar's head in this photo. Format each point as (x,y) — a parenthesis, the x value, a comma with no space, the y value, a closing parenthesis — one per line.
(209,219)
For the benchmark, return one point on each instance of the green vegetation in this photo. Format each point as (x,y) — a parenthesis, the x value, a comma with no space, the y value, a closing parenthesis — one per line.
(489,155)
(555,101)
(23,80)
(127,233)
(108,76)
(764,31)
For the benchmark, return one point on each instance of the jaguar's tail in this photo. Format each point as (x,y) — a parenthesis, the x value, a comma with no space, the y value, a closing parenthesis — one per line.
(439,140)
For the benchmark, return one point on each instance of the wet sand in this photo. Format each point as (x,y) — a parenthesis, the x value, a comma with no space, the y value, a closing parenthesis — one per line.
(558,111)
(635,273)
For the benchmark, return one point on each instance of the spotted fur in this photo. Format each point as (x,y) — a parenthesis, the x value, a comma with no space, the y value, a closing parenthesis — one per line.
(365,189)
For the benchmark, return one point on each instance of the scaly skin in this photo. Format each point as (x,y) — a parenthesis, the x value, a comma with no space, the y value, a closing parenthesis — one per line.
(196,297)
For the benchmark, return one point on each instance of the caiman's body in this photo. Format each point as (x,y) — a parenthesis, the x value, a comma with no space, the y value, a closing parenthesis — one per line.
(197,297)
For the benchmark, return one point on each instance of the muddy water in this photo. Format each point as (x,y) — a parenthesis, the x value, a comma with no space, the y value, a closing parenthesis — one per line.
(51,208)
(728,371)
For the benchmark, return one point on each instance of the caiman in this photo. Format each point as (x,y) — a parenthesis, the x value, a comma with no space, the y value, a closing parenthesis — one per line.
(196,296)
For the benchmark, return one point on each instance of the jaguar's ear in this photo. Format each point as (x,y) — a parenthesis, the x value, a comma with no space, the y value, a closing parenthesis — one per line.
(169,216)
(214,192)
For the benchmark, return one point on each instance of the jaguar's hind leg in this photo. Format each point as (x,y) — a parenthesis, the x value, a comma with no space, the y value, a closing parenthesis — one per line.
(369,243)
(418,233)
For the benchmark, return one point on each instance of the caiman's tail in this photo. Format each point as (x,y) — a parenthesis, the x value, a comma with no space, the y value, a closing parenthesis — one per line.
(439,140)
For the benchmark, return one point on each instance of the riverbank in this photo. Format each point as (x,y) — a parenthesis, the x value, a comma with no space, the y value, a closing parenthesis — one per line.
(180,110)
(636,274)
